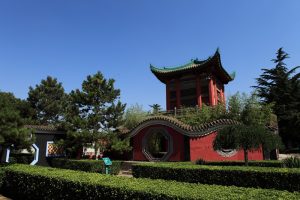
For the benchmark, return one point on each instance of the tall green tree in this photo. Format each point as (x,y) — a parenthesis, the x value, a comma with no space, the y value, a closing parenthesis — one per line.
(252,133)
(235,105)
(133,115)
(95,111)
(12,132)
(27,113)
(281,86)
(48,101)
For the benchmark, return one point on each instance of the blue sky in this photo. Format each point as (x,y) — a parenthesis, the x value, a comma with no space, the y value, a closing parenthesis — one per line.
(70,39)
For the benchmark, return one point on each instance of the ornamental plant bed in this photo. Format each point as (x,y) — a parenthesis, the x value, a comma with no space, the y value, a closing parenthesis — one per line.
(86,165)
(33,182)
(258,177)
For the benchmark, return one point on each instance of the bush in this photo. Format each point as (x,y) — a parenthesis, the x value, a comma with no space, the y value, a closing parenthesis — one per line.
(23,158)
(86,165)
(265,163)
(35,183)
(263,177)
(292,162)
(2,173)
(200,161)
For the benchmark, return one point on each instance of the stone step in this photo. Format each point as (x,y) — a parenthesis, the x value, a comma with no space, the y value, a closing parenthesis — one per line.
(127,173)
(126,168)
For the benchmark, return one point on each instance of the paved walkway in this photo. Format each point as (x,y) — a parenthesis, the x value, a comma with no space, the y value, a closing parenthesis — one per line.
(284,156)
(126,168)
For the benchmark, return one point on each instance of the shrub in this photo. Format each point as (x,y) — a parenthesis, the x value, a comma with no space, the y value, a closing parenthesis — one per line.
(85,165)
(263,177)
(23,158)
(33,182)
(200,161)
(292,162)
(265,163)
(2,173)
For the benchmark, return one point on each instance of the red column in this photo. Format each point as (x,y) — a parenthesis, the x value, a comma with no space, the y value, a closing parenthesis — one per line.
(223,95)
(211,92)
(168,95)
(215,91)
(178,101)
(198,92)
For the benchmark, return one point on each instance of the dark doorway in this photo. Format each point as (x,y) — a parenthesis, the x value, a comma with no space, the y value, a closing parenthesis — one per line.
(157,145)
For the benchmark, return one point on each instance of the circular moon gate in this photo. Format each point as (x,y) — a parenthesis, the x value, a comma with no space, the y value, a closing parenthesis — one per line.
(157,144)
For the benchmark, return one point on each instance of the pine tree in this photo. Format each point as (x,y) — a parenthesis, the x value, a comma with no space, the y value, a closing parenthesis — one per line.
(95,111)
(12,132)
(282,87)
(47,100)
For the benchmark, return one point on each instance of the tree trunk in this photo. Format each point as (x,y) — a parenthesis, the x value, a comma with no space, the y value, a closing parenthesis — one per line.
(79,153)
(96,151)
(246,156)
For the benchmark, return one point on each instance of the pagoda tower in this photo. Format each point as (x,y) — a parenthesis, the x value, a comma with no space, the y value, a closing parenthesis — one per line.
(195,83)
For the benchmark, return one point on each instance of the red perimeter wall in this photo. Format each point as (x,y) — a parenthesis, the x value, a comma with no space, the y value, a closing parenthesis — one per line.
(202,147)
(178,144)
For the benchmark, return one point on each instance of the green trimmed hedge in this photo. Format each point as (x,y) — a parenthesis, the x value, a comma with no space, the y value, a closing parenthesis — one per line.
(35,183)
(266,163)
(2,174)
(86,165)
(262,177)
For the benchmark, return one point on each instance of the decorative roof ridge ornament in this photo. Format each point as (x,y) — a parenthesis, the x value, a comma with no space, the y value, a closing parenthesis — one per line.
(186,129)
(41,127)
(232,75)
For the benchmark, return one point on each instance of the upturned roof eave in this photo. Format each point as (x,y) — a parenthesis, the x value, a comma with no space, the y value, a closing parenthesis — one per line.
(163,74)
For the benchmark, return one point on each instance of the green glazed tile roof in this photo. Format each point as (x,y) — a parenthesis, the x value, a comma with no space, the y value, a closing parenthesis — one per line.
(192,64)
(44,129)
(181,127)
(162,73)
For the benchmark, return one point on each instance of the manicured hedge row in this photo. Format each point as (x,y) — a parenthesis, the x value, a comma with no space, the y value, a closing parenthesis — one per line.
(85,165)
(263,177)
(268,163)
(2,173)
(35,183)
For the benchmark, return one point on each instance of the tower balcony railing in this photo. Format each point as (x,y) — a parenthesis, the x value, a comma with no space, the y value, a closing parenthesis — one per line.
(175,111)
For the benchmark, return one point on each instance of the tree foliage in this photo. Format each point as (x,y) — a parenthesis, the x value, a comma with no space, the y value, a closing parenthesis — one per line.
(252,133)
(93,112)
(133,115)
(12,131)
(47,100)
(195,115)
(281,86)
(156,108)
(119,144)
(235,106)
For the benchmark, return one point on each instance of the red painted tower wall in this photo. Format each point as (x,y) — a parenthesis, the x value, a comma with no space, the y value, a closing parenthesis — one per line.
(202,147)
(178,144)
